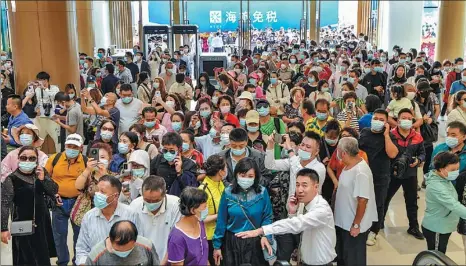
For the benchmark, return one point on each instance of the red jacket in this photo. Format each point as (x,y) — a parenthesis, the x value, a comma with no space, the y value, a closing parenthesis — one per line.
(451,77)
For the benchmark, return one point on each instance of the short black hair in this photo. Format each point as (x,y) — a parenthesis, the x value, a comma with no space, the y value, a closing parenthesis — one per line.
(354,133)
(126,87)
(243,166)
(404,110)
(43,75)
(133,137)
(153,183)
(375,62)
(114,182)
(444,159)
(311,173)
(322,101)
(458,59)
(16,100)
(110,68)
(238,135)
(172,138)
(179,77)
(123,232)
(308,106)
(121,62)
(149,109)
(350,95)
(333,125)
(312,135)
(459,125)
(191,198)
(129,54)
(373,103)
(214,164)
(299,125)
(381,111)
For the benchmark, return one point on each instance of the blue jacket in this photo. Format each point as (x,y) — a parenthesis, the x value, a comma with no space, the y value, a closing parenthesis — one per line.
(232,218)
(365,121)
(19,120)
(443,147)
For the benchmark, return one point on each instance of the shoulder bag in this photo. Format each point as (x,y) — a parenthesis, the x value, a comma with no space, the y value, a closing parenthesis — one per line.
(26,228)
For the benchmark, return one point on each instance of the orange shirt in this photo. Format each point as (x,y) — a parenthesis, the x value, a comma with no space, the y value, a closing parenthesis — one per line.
(338,165)
(65,174)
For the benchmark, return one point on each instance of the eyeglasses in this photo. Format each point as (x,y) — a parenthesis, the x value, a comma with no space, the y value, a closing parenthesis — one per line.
(165,151)
(107,129)
(25,158)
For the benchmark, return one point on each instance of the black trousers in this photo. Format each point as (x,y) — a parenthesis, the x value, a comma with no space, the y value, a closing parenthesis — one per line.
(429,149)
(211,253)
(351,250)
(444,109)
(286,244)
(410,193)
(381,184)
(436,241)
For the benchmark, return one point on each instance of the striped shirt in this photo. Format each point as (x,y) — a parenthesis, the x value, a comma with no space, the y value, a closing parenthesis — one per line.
(95,228)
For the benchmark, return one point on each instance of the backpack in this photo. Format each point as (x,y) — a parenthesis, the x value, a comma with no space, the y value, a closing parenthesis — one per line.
(57,157)
(278,190)
(117,162)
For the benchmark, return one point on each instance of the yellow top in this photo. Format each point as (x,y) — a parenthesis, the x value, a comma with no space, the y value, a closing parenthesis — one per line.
(214,190)
(65,174)
(311,125)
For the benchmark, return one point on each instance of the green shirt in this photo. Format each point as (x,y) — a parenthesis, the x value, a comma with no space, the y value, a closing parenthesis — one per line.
(268,128)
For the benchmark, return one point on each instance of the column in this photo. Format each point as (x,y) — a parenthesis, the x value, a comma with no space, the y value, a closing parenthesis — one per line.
(313,20)
(121,28)
(84,27)
(401,25)
(43,38)
(176,21)
(450,40)
(364,13)
(101,23)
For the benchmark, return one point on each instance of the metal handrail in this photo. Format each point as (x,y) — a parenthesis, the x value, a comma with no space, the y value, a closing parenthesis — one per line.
(432,257)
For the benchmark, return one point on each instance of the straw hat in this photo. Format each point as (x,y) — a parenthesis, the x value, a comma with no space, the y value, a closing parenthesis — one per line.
(16,131)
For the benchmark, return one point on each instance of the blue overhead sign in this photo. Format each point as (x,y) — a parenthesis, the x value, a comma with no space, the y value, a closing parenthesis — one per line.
(225,15)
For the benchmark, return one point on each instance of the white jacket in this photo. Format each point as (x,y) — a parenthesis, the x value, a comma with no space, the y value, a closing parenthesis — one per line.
(279,96)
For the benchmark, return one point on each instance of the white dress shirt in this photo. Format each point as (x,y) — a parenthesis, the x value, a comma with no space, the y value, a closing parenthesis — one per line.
(217,42)
(361,92)
(318,239)
(293,165)
(355,183)
(95,228)
(157,227)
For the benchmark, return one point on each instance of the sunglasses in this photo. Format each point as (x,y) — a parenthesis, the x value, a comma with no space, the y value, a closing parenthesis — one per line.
(25,158)
(165,151)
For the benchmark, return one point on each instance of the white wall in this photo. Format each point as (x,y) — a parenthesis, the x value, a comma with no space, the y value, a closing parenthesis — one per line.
(401,25)
(101,24)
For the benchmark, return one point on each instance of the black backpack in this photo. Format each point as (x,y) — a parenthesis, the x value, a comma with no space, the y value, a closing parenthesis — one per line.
(278,191)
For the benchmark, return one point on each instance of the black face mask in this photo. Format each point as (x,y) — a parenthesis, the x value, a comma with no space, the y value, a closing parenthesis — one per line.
(425,94)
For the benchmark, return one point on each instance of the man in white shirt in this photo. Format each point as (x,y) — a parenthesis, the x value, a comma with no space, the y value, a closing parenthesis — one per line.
(339,77)
(360,90)
(318,239)
(355,206)
(157,212)
(217,43)
(129,107)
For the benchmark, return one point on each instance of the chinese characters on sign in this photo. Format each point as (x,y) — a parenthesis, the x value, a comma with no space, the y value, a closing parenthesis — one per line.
(231,17)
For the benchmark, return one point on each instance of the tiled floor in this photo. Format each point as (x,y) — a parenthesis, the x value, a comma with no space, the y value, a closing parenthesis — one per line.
(394,246)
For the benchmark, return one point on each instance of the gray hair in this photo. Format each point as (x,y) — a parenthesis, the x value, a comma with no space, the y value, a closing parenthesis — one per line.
(154,183)
(349,145)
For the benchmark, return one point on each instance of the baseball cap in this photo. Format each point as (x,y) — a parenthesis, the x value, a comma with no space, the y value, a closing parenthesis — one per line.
(246,95)
(90,78)
(74,139)
(252,116)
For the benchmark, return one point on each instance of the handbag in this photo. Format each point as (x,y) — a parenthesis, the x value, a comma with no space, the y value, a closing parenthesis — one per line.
(401,164)
(429,132)
(28,227)
(82,205)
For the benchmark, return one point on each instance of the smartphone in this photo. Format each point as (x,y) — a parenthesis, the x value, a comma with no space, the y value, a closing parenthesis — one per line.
(157,93)
(349,107)
(278,138)
(216,115)
(125,185)
(125,167)
(94,153)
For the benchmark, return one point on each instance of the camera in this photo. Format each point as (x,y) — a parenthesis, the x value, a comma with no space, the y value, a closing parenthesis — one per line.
(47,108)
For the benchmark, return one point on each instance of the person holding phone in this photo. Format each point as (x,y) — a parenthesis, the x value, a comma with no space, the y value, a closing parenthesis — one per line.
(26,188)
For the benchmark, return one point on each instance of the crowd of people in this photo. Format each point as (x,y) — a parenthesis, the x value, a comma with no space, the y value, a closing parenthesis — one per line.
(293,152)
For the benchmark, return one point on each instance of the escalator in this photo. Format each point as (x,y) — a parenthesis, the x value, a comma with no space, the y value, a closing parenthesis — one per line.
(432,257)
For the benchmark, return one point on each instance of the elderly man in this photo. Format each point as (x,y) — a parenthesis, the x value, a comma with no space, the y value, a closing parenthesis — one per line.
(355,206)
(123,247)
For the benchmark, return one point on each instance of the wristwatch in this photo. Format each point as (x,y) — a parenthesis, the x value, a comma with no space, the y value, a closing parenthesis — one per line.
(355,226)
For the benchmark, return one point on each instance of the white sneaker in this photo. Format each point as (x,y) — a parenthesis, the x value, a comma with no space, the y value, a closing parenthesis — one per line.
(371,239)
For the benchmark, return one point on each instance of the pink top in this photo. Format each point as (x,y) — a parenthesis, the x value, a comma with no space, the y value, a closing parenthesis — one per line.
(10,163)
(167,121)
(259,93)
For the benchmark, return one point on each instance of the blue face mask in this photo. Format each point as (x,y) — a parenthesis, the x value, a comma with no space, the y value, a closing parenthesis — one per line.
(150,124)
(123,148)
(25,139)
(383,59)
(370,56)
(106,135)
(351,80)
(304,155)
(377,125)
(176,126)
(213,132)
(273,80)
(204,113)
(100,200)
(453,175)
(253,82)
(122,254)
(406,124)
(402,60)
(238,152)
(27,167)
(126,100)
(204,214)
(224,139)
(253,129)
(153,206)
(81,61)
(245,183)
(378,69)
(254,60)
(170,156)
(242,122)
(71,95)
(263,111)
(367,70)
(70,153)
(198,125)
(310,80)
(138,172)
(451,142)
(185,147)
(321,116)
(331,142)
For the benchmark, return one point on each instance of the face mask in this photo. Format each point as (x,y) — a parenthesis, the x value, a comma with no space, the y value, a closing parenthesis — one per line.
(325,89)
(292,61)
(453,175)
(204,214)
(342,68)
(351,80)
(150,124)
(70,153)
(100,200)
(25,139)
(170,104)
(463,78)
(402,60)
(126,100)
(176,126)
(153,206)
(377,125)
(27,167)
(254,60)
(169,156)
(242,122)
(214,100)
(204,113)
(304,155)
(213,132)
(203,83)
(451,142)
(252,129)
(106,135)
(136,58)
(273,80)
(198,125)
(238,152)
(245,183)
(253,81)
(263,111)
(283,66)
(185,147)
(459,67)
(138,172)
(224,139)
(103,101)
(171,70)
(3,58)
(410,95)
(225,109)
(331,142)
(155,85)
(123,148)
(367,70)
(118,91)
(71,95)
(238,71)
(321,116)
(406,124)
(370,56)
(86,65)
(310,80)
(383,59)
